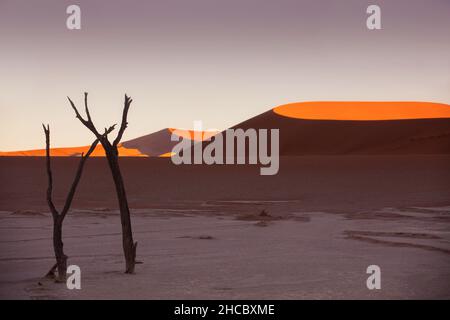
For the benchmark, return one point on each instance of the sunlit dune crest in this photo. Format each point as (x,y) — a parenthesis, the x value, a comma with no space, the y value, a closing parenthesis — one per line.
(167,155)
(193,135)
(363,110)
(73,152)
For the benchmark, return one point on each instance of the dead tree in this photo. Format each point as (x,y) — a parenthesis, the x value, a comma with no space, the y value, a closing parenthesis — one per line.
(112,155)
(58,217)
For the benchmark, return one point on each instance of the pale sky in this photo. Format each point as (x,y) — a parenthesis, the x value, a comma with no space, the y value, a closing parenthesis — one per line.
(221,62)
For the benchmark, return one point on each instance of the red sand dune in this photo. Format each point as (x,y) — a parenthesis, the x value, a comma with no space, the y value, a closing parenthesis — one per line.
(193,135)
(157,144)
(160,144)
(311,128)
(322,127)
(73,152)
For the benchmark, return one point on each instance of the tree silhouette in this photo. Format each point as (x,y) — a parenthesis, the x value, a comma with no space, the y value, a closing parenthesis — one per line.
(112,155)
(58,217)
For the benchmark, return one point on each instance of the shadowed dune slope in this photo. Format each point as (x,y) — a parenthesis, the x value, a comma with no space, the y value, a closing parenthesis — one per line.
(160,144)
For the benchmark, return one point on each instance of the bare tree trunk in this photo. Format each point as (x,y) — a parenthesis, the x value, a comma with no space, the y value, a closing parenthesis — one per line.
(129,246)
(112,155)
(58,218)
(58,246)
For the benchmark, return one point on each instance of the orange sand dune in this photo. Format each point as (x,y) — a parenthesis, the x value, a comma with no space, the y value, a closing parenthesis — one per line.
(338,128)
(156,144)
(73,152)
(343,128)
(363,110)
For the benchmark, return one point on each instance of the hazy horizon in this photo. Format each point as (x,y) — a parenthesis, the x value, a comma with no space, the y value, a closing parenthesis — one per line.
(220,62)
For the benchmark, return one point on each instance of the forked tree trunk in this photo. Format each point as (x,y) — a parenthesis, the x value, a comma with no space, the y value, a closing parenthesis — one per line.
(112,155)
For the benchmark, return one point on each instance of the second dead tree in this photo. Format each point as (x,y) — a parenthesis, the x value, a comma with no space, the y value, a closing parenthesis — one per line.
(58,217)
(112,155)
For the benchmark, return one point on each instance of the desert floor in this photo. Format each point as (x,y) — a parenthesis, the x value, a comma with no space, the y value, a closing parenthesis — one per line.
(201,233)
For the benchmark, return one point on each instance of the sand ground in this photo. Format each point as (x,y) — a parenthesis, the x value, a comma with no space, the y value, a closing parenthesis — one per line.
(316,242)
(189,256)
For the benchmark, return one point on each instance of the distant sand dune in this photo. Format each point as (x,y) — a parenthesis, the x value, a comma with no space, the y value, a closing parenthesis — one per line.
(157,144)
(318,128)
(73,152)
